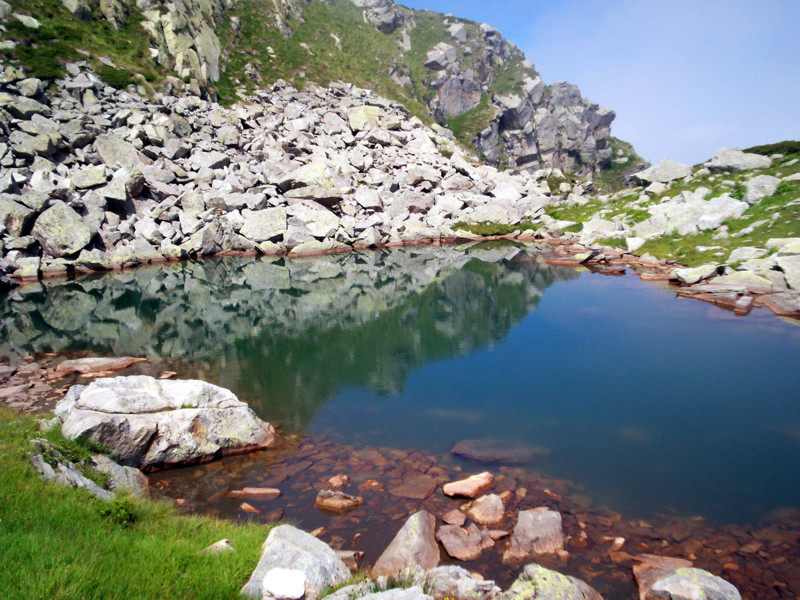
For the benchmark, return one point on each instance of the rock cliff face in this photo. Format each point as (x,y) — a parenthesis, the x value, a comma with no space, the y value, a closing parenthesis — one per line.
(467,72)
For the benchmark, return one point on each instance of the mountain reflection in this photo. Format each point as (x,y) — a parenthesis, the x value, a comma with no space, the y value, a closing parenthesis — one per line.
(285,335)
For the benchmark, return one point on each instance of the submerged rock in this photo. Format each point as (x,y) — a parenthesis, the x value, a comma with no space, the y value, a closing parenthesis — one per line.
(152,423)
(538,531)
(97,365)
(337,501)
(501,451)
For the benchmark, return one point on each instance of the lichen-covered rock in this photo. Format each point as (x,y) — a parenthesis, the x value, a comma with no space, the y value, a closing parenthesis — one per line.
(61,231)
(537,583)
(149,423)
(120,477)
(457,582)
(689,584)
(290,548)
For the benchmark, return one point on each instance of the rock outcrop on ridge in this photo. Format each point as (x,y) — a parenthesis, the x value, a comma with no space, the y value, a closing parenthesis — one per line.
(445,67)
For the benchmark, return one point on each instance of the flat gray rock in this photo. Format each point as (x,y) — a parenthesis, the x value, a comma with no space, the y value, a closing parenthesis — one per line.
(538,531)
(664,172)
(689,584)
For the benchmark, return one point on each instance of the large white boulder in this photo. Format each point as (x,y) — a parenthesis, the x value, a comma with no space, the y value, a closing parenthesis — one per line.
(732,159)
(150,423)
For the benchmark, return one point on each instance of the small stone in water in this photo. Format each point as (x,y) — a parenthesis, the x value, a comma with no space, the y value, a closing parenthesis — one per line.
(454,517)
(338,482)
(248,508)
(337,501)
(469,487)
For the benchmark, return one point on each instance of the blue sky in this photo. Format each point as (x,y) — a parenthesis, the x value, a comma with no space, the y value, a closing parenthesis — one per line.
(684,77)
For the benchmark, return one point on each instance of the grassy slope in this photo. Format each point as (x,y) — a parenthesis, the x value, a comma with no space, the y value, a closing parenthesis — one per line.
(44,50)
(613,176)
(780,211)
(56,543)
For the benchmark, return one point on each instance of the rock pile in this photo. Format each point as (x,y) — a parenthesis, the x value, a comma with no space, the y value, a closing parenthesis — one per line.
(95,178)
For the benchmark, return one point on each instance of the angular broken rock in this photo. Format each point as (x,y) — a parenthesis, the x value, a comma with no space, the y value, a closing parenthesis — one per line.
(469,487)
(151,423)
(290,548)
(487,510)
(96,365)
(538,531)
(454,517)
(413,546)
(537,583)
(61,231)
(501,451)
(337,501)
(464,544)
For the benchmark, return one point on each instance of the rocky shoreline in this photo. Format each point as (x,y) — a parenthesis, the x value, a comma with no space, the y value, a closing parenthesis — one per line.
(97,179)
(295,564)
(481,516)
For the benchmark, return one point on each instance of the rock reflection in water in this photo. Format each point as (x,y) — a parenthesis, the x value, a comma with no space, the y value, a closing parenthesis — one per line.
(285,334)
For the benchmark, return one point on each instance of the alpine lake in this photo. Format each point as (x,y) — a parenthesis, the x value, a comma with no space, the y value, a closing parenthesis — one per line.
(665,421)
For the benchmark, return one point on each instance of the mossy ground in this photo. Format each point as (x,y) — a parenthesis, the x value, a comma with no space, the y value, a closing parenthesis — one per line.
(58,542)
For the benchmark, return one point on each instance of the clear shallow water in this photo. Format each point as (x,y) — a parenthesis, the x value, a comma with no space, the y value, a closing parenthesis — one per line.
(651,402)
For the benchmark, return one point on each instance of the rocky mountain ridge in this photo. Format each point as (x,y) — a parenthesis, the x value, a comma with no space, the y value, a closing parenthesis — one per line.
(462,74)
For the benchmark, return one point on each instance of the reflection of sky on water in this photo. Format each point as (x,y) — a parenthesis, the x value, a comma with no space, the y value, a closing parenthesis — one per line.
(643,398)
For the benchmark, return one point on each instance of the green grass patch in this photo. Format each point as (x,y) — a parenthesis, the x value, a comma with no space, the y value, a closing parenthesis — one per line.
(785,147)
(508,78)
(468,125)
(116,78)
(61,543)
(613,176)
(44,51)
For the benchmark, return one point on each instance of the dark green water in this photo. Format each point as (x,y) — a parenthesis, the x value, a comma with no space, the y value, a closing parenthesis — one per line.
(651,402)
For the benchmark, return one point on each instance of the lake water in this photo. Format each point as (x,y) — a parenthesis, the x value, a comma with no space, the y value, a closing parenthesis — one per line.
(649,402)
